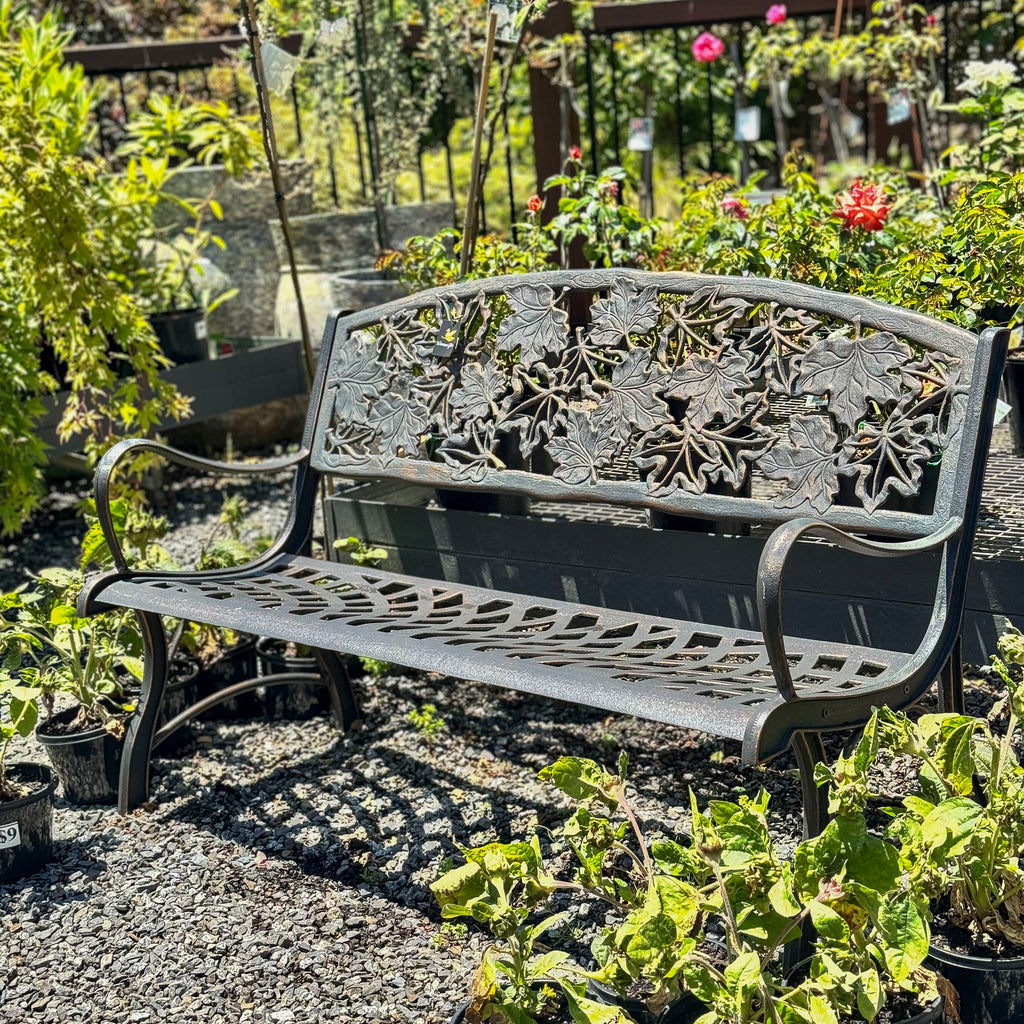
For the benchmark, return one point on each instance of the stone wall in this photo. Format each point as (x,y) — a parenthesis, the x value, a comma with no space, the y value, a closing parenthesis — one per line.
(248,260)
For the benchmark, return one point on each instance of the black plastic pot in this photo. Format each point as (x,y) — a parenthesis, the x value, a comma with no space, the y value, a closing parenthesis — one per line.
(935,1011)
(289,700)
(991,990)
(484,501)
(26,824)
(234,665)
(1013,388)
(684,1010)
(87,763)
(179,694)
(182,335)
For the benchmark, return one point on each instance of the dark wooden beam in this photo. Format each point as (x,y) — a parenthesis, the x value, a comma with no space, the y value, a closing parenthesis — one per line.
(615,17)
(120,58)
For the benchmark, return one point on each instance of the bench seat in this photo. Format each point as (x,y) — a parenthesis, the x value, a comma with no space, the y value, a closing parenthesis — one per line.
(688,674)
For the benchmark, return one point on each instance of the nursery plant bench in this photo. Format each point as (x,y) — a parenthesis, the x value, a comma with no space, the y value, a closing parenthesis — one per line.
(735,399)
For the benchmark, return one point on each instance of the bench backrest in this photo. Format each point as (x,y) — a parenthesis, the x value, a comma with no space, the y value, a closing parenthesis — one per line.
(719,397)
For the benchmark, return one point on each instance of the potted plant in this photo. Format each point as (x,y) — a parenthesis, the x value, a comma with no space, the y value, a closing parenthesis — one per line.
(26,789)
(961,833)
(693,932)
(169,275)
(87,662)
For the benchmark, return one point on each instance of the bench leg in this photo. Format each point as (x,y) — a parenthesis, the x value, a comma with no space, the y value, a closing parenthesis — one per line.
(134,783)
(809,751)
(344,703)
(951,681)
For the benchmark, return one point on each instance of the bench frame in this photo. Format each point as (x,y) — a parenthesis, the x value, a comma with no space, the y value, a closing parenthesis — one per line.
(795,721)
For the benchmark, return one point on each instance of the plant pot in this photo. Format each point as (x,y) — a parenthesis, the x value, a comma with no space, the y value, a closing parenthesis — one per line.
(292,701)
(234,665)
(182,335)
(87,763)
(934,1011)
(484,501)
(659,520)
(991,990)
(1013,387)
(686,1009)
(26,824)
(179,694)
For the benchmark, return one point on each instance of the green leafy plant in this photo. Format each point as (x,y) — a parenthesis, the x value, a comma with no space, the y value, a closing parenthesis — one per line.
(360,552)
(48,650)
(961,830)
(612,234)
(662,896)
(69,234)
(427,721)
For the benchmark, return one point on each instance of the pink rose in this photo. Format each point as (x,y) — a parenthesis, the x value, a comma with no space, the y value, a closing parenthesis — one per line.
(776,14)
(707,48)
(736,206)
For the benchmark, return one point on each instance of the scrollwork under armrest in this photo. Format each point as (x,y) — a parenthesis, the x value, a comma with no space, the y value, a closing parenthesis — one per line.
(773,562)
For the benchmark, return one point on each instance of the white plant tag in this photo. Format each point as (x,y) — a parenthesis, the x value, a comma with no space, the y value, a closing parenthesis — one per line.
(1002,411)
(641,135)
(505,30)
(897,110)
(279,66)
(10,835)
(748,124)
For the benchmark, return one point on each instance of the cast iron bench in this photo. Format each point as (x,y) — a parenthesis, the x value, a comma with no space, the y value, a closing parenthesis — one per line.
(708,397)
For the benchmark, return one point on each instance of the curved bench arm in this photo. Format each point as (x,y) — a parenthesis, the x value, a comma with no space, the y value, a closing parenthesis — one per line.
(773,563)
(106,465)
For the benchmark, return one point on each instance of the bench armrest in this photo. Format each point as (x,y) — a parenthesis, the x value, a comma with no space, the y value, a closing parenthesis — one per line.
(106,465)
(773,563)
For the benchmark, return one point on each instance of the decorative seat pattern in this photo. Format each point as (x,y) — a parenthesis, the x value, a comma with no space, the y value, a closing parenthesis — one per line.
(685,673)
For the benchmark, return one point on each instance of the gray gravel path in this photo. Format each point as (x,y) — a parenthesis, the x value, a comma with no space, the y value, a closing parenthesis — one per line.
(281,872)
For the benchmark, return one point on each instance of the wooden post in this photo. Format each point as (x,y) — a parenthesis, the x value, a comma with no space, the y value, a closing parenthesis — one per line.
(549,145)
(473,198)
(270,146)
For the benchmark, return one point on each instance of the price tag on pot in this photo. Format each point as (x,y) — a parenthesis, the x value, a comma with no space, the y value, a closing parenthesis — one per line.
(10,835)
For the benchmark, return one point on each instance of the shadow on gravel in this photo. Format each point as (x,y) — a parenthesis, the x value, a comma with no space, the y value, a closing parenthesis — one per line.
(368,794)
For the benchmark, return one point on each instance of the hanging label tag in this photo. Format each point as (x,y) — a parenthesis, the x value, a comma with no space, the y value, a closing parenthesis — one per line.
(1002,411)
(447,336)
(641,134)
(850,124)
(10,835)
(748,124)
(897,110)
(279,66)
(505,30)
(816,402)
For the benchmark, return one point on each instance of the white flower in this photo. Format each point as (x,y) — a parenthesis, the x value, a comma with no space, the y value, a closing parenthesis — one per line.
(980,73)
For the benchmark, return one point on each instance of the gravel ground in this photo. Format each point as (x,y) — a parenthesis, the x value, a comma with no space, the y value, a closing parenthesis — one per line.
(281,872)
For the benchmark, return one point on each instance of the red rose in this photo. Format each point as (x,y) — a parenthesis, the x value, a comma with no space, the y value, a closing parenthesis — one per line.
(736,206)
(574,153)
(534,203)
(862,206)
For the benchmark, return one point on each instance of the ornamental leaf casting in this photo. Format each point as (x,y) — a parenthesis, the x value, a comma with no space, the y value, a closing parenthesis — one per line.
(807,462)
(664,392)
(851,371)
